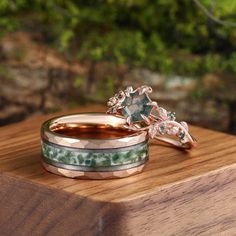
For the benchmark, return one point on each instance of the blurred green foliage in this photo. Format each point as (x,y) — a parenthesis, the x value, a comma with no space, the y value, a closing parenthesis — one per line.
(164,35)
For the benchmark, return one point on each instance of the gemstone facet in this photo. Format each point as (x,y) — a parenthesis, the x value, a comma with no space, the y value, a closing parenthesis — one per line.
(136,105)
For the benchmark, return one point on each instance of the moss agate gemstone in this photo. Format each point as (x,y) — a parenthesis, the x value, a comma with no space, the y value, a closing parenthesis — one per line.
(135,105)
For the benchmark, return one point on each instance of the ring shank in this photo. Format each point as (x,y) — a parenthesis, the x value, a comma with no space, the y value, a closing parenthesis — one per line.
(92,145)
(186,145)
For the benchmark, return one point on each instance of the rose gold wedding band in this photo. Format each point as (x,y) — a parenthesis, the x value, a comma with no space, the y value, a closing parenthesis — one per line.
(92,145)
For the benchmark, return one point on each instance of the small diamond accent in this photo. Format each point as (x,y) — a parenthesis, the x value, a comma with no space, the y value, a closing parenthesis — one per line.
(171,115)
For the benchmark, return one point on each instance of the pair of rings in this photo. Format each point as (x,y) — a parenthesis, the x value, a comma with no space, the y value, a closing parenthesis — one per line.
(112,145)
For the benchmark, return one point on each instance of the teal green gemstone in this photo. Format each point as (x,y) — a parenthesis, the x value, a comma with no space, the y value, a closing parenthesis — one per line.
(135,105)
(182,135)
(171,115)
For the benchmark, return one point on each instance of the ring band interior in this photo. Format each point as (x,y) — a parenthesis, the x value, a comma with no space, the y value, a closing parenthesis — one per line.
(91,130)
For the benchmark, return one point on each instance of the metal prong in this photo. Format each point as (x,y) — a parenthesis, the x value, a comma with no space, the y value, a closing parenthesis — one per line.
(146,119)
(140,90)
(128,120)
(128,90)
(119,107)
(146,89)
(154,104)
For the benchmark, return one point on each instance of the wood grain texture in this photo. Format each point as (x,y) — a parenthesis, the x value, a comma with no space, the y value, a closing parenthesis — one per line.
(179,192)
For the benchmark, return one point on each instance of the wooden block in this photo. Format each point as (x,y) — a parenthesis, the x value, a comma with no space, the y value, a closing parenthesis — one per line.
(179,192)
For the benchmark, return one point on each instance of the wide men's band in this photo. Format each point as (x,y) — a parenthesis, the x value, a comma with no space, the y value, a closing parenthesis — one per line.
(92,145)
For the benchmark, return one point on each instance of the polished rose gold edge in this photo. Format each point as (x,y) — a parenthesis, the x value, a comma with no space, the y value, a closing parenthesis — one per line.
(91,118)
(92,174)
(178,144)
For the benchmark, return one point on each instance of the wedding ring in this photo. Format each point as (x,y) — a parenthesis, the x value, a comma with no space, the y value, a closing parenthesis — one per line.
(143,114)
(92,145)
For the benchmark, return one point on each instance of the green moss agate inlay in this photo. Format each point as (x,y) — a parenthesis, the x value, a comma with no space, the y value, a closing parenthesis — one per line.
(95,158)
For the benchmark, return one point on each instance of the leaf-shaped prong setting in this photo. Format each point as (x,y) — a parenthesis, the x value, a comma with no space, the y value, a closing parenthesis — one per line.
(140,90)
(112,101)
(147,89)
(128,90)
(144,89)
(154,104)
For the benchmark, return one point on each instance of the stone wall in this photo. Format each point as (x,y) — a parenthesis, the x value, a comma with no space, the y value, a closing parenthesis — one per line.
(35,80)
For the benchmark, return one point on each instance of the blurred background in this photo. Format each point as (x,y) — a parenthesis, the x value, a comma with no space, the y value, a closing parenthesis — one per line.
(64,54)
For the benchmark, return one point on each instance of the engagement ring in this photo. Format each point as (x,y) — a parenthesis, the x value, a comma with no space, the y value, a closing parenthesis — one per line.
(143,114)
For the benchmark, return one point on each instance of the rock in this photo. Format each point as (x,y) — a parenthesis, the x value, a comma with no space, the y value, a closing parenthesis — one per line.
(221,86)
(166,88)
(38,80)
(151,78)
(180,83)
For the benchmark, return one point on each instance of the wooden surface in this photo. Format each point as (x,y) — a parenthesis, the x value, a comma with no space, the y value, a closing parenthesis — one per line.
(179,193)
